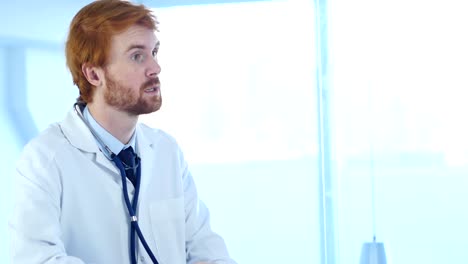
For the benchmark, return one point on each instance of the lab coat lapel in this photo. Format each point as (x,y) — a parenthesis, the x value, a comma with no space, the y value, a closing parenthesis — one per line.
(147,156)
(80,137)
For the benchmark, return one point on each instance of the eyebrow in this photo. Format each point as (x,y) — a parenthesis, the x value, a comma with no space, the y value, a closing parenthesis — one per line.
(137,46)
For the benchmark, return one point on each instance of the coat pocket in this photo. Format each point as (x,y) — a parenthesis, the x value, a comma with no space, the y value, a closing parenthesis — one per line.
(168,227)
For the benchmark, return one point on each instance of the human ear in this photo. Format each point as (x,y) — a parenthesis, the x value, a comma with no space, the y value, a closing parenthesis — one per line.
(92,74)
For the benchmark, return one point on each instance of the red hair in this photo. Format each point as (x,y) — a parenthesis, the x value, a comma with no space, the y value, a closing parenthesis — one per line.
(90,36)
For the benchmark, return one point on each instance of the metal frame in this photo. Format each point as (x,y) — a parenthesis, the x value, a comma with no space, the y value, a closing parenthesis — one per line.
(326,195)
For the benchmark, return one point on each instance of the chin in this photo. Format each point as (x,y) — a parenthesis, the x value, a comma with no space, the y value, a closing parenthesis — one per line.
(143,109)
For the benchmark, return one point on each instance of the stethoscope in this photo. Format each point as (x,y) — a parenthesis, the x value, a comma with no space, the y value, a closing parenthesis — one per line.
(131,207)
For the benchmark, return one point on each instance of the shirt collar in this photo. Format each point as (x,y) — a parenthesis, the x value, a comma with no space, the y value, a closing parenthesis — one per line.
(112,142)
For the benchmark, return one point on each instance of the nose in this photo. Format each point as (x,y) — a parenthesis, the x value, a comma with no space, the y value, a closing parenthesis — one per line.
(154,68)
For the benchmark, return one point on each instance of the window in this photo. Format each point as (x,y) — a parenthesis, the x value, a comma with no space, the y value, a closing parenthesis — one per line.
(399,116)
(238,85)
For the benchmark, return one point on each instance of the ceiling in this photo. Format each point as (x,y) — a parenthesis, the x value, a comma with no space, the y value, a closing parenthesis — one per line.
(47,21)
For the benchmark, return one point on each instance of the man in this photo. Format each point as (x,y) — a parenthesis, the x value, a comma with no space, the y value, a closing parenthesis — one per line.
(72,203)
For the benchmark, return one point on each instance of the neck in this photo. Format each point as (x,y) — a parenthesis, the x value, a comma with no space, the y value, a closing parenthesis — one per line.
(119,124)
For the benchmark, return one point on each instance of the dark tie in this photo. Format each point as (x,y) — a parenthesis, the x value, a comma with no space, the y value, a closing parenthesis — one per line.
(128,157)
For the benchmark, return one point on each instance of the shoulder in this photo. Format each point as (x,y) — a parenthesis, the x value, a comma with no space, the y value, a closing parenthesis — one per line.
(44,147)
(162,143)
(157,136)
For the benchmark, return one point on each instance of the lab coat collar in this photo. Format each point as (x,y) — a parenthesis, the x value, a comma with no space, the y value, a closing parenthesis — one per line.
(81,138)
(147,156)
(78,133)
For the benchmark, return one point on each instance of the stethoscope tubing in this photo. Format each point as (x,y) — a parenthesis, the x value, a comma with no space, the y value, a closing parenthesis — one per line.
(134,227)
(131,211)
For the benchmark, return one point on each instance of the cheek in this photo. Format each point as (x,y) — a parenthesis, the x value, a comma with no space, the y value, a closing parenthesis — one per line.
(129,82)
(132,80)
(128,76)
(122,70)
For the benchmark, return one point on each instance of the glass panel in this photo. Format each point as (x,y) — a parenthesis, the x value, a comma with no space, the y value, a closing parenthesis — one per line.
(48,78)
(399,118)
(11,150)
(239,96)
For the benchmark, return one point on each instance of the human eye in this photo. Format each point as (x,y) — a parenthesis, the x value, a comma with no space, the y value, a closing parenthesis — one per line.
(154,53)
(138,57)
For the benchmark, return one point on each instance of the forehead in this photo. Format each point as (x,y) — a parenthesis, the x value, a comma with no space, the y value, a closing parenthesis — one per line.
(133,36)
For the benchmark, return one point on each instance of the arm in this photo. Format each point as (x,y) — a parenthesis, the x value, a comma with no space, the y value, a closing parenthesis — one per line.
(34,225)
(203,246)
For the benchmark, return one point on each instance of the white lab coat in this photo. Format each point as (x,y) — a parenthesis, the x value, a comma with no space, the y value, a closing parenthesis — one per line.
(69,205)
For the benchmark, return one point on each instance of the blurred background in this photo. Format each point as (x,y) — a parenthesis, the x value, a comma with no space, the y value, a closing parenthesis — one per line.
(309,125)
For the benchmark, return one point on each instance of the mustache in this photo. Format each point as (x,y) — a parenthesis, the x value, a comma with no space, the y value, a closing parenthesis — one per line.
(151,83)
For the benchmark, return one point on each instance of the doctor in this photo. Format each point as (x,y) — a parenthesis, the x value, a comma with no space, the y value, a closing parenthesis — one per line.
(78,199)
